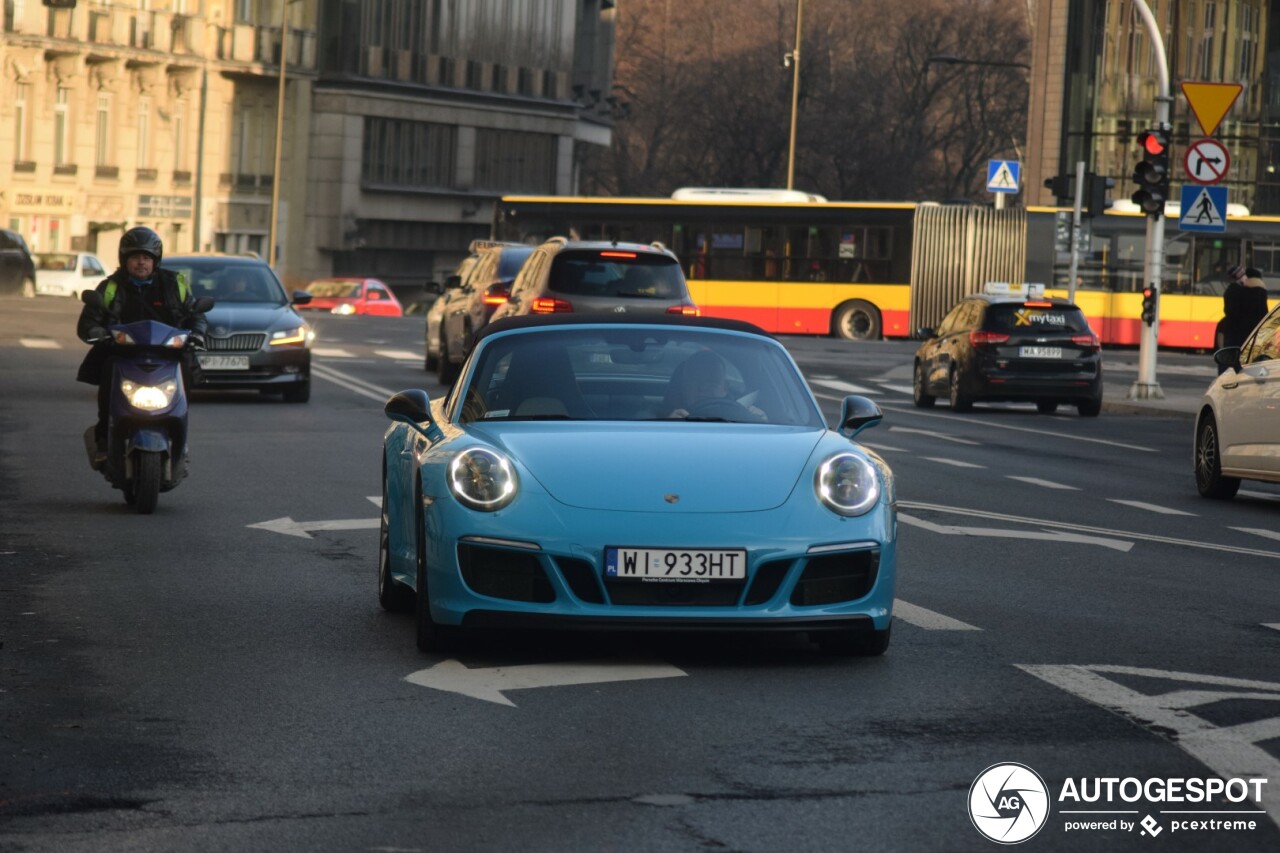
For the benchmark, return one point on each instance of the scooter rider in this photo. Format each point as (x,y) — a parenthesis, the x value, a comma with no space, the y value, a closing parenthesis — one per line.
(137,290)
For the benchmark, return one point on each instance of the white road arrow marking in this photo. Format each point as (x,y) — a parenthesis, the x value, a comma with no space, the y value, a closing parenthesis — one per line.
(489,683)
(998,533)
(302,529)
(1230,751)
(930,620)
(1259,531)
(1163,510)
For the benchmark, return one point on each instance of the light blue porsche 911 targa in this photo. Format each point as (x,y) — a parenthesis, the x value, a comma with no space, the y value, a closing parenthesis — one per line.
(603,473)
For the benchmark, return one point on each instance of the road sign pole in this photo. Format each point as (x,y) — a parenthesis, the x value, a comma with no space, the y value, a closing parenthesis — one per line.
(1075,233)
(1147,388)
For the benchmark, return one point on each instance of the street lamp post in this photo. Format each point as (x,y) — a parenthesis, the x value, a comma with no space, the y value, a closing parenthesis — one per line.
(272,254)
(793,59)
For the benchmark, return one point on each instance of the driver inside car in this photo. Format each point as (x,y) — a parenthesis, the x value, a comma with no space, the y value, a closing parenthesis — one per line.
(698,383)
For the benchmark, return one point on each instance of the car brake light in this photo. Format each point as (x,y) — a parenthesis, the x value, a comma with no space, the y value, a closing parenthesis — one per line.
(685,310)
(1089,340)
(618,254)
(982,339)
(547,305)
(1037,304)
(495,299)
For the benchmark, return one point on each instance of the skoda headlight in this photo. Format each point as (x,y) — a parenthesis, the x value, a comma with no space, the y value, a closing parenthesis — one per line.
(482,479)
(149,398)
(847,484)
(289,337)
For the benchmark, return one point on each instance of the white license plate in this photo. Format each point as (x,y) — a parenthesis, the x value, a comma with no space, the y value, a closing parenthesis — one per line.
(1040,352)
(675,564)
(224,362)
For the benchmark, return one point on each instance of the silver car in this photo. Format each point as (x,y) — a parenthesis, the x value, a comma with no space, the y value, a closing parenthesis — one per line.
(589,277)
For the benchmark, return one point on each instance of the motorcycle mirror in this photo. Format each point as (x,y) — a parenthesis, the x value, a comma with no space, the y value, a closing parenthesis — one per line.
(93,299)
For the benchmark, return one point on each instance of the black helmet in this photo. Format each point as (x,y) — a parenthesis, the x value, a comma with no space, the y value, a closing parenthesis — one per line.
(141,239)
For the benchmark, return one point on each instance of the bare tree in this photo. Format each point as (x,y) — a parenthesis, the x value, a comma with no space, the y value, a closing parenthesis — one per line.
(879,117)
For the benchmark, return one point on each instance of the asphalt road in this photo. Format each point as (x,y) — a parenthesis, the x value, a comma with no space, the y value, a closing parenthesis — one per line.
(218,676)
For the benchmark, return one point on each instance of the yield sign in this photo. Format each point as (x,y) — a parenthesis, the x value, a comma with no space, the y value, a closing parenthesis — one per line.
(1210,102)
(1207,161)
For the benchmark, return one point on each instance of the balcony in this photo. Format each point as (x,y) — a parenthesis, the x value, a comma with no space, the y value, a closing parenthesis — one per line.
(181,176)
(146,174)
(24,166)
(108,173)
(64,169)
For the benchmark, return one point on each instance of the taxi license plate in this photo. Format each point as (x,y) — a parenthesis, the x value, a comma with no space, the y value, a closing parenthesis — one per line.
(1040,352)
(224,362)
(687,565)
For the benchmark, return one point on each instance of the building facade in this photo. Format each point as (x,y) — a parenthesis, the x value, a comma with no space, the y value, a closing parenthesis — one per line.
(403,121)
(1094,85)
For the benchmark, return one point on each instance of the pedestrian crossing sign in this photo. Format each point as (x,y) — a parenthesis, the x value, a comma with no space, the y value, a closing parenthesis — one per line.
(1002,176)
(1203,209)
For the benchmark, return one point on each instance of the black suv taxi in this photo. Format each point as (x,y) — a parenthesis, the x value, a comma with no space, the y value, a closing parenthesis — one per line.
(1011,343)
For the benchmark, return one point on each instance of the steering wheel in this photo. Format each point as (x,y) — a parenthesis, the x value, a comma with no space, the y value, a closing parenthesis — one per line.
(721,407)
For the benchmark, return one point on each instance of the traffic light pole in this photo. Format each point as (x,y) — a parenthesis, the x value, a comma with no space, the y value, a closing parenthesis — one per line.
(1075,233)
(1146,387)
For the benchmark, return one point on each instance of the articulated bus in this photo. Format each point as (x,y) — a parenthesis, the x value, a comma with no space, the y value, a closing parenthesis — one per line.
(797,264)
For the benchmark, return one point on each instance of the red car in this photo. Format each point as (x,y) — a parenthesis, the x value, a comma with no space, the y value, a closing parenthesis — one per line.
(353,296)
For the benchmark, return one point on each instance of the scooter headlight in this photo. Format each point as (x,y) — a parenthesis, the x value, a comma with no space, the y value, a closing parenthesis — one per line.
(149,398)
(122,337)
(177,341)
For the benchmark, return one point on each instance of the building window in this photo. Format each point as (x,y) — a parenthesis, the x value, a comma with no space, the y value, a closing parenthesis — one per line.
(61,128)
(179,136)
(102,137)
(244,11)
(515,161)
(22,92)
(144,132)
(408,153)
(240,143)
(1206,41)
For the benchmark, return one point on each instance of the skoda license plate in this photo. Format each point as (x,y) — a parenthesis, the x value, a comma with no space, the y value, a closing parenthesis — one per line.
(1040,352)
(687,565)
(224,362)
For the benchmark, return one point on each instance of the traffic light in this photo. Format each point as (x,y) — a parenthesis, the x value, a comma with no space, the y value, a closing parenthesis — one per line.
(1150,304)
(1097,202)
(1061,186)
(1151,175)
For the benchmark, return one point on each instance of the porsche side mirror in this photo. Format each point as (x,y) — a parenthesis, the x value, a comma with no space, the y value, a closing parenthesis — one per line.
(413,407)
(858,413)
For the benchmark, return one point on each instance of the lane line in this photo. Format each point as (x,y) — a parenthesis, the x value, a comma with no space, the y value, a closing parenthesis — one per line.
(351,383)
(1272,625)
(928,619)
(901,389)
(841,385)
(1265,496)
(398,354)
(39,343)
(958,463)
(935,434)
(1048,484)
(1084,528)
(1036,432)
(883,448)
(1163,510)
(330,352)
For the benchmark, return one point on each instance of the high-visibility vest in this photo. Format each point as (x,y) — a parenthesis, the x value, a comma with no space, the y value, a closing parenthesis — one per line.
(184,290)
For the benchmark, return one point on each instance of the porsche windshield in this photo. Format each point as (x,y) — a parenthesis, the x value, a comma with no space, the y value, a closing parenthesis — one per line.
(637,374)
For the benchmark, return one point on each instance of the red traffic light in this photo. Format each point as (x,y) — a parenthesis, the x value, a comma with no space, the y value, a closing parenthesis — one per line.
(1148,292)
(1153,143)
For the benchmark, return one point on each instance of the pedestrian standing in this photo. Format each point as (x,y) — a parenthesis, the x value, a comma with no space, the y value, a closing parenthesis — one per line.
(1244,304)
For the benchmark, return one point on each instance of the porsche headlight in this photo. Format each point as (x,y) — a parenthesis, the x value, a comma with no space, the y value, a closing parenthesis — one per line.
(482,479)
(847,484)
(149,398)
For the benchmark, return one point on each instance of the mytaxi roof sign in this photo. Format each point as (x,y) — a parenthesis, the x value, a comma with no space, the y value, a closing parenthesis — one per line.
(1210,102)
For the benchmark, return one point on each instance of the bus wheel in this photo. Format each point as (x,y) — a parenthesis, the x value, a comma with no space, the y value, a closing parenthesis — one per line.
(857,321)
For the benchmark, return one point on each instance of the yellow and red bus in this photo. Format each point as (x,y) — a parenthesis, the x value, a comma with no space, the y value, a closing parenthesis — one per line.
(1110,274)
(793,263)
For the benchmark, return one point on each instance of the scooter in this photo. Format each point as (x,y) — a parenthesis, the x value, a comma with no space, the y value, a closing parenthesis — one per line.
(147,423)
